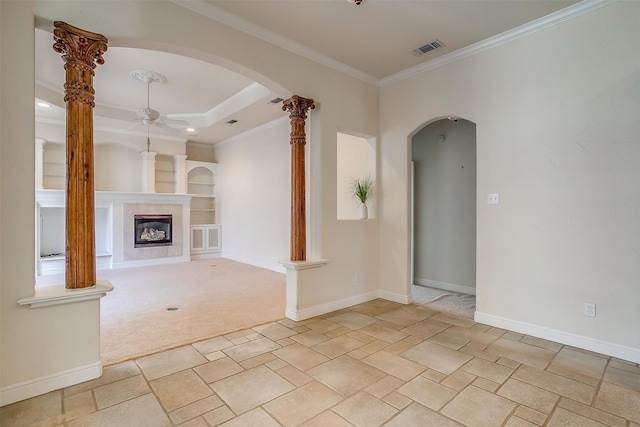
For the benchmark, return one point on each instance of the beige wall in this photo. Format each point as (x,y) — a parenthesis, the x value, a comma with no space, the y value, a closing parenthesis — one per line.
(557,136)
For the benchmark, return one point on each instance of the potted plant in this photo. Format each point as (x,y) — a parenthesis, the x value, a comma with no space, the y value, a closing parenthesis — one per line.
(362,190)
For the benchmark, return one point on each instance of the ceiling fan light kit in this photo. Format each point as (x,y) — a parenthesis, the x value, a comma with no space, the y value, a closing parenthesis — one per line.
(147,115)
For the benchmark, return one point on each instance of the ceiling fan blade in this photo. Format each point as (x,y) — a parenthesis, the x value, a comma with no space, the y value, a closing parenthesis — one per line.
(163,126)
(135,126)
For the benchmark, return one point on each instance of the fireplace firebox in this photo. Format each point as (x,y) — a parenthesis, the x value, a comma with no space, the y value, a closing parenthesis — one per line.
(152,230)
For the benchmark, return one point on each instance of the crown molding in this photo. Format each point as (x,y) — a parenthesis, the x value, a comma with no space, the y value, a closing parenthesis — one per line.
(215,13)
(219,15)
(555,18)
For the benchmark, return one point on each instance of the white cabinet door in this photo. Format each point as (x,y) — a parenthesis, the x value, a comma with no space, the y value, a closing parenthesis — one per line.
(198,238)
(206,238)
(214,237)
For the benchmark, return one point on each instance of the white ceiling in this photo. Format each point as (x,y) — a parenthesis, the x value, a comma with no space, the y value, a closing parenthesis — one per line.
(372,41)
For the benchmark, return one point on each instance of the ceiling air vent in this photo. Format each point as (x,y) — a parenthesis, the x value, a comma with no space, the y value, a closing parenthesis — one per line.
(276,100)
(232,122)
(436,44)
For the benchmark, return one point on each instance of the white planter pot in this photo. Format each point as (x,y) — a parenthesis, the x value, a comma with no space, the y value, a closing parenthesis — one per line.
(363,211)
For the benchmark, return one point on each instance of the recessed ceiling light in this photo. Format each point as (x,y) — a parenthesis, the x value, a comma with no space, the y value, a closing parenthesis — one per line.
(191,130)
(43,105)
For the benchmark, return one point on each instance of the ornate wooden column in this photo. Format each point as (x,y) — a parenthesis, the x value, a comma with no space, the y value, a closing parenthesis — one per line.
(81,50)
(297,108)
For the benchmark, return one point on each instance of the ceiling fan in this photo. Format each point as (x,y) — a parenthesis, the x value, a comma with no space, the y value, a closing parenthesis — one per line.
(147,115)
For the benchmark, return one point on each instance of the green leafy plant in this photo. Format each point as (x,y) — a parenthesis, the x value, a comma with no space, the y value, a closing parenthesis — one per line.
(362,188)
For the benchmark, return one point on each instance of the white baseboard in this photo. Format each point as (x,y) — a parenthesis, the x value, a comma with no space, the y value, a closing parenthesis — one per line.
(36,387)
(278,268)
(391,296)
(321,309)
(461,289)
(610,349)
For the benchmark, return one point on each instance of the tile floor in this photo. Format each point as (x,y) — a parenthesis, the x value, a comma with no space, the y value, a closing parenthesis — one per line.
(377,363)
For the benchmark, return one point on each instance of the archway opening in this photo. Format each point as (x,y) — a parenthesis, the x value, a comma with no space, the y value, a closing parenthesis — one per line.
(190,198)
(443,216)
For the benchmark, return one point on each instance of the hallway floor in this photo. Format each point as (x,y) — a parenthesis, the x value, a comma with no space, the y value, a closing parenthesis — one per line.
(377,363)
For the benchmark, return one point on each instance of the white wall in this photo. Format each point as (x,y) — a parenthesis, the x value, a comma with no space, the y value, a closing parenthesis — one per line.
(557,136)
(253,198)
(445,205)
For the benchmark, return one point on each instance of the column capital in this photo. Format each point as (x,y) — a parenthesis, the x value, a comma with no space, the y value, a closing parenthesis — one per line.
(77,45)
(297,107)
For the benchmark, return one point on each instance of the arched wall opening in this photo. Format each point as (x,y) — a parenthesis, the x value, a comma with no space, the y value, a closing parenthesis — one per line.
(443,201)
(124,151)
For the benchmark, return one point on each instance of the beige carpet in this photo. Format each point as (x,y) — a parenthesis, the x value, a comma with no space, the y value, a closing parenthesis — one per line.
(449,302)
(212,297)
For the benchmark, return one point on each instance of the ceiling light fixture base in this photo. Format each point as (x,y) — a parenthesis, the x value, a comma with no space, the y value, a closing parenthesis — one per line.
(148,77)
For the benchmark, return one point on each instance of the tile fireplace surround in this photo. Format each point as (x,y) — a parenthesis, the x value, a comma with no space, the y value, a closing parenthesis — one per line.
(115,229)
(130,252)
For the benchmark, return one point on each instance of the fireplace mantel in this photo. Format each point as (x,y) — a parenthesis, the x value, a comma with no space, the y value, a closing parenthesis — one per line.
(56,198)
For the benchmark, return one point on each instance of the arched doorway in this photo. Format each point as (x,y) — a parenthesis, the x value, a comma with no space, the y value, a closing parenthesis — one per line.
(129,310)
(443,220)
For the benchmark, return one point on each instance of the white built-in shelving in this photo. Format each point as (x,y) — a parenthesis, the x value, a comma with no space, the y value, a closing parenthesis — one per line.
(168,176)
(201,185)
(54,175)
(165,174)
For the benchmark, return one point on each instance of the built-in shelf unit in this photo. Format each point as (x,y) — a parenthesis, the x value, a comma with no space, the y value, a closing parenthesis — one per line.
(201,185)
(170,182)
(165,174)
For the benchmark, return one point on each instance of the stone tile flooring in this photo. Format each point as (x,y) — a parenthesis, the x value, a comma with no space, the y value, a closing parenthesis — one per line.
(377,363)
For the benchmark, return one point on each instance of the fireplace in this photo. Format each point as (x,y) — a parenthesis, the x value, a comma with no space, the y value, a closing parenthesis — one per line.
(152,230)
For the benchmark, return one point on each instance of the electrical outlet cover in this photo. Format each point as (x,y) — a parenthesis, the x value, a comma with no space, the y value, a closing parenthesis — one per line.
(589,309)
